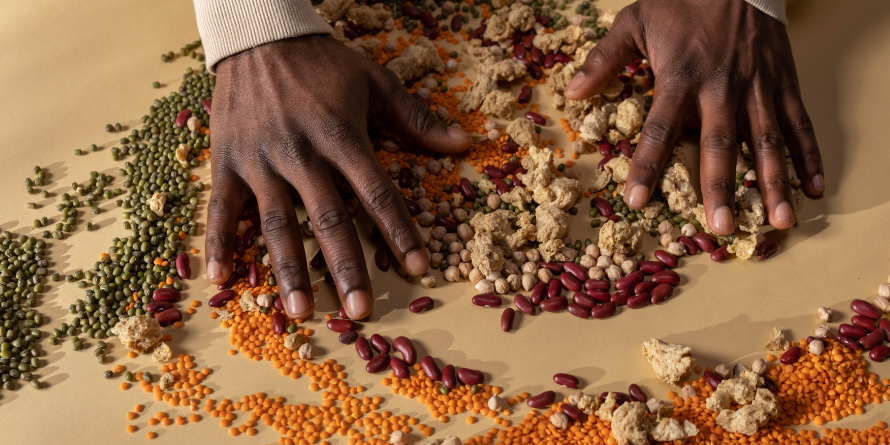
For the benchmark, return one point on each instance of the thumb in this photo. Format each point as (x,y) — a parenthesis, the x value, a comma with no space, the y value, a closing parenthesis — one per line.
(607,58)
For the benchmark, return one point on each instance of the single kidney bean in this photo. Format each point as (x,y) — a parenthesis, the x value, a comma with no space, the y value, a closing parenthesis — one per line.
(449,225)
(509,148)
(651,267)
(493,171)
(554,304)
(602,205)
(669,260)
(847,341)
(792,355)
(865,309)
(873,339)
(535,71)
(278,324)
(421,304)
(865,322)
(501,186)
(553,267)
(879,353)
(527,41)
(604,310)
(510,166)
(577,271)
(539,293)
(584,300)
(413,207)
(625,148)
(884,325)
(406,348)
(507,319)
(363,348)
(703,242)
(524,306)
(720,255)
(519,51)
(457,22)
(562,58)
(854,332)
(712,379)
(410,11)
(486,300)
(207,104)
(381,259)
(620,298)
(638,301)
(549,61)
(168,317)
(341,326)
(405,177)
(469,376)
(554,288)
(377,364)
(516,181)
(428,20)
(661,292)
(770,385)
(537,56)
(278,303)
(347,337)
(637,393)
(158,306)
(688,244)
(569,281)
(249,237)
(629,281)
(466,188)
(380,344)
(166,294)
(448,378)
(220,299)
(567,380)
(572,412)
(644,287)
(767,249)
(542,20)
(600,296)
(430,368)
(666,277)
(535,117)
(253,275)
(602,285)
(231,281)
(183,117)
(238,245)
(342,314)
(399,368)
(183,266)
(604,147)
(525,94)
(541,400)
(579,310)
(240,267)
(477,33)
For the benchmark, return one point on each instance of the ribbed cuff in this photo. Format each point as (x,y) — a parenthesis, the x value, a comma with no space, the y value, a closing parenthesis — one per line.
(228,27)
(772,8)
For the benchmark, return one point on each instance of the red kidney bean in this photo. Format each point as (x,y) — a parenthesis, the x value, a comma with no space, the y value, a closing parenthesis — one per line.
(342,314)
(421,304)
(584,300)
(627,92)
(549,60)
(542,20)
(688,244)
(602,205)
(535,71)
(448,377)
(525,94)
(767,249)
(238,245)
(477,33)
(405,177)
(576,270)
(220,299)
(406,348)
(457,22)
(637,393)
(669,260)
(166,294)
(712,379)
(578,310)
(541,400)
(605,148)
(569,281)
(535,117)
(158,306)
(638,301)
(630,281)
(511,166)
(507,319)
(666,277)
(502,186)
(516,181)
(537,56)
(449,225)
(341,326)
(249,237)
(854,332)
(770,385)
(865,309)
(873,339)
(253,275)
(486,300)
(430,368)
(230,282)
(644,287)
(183,117)
(604,310)
(703,242)
(879,353)
(410,11)
(553,267)
(884,325)
(379,343)
(539,293)
(600,296)
(363,348)
(602,285)
(636,71)
(865,322)
(567,380)
(183,266)
(240,267)
(377,364)
(625,148)
(661,292)
(554,288)
(572,412)
(278,303)
(413,208)
(792,355)
(466,188)
(493,171)
(620,298)
(469,376)
(278,323)
(428,20)
(847,341)
(381,259)
(207,104)
(562,58)
(651,267)
(554,304)
(509,148)
(527,41)
(399,368)
(347,337)
(168,317)
(519,51)
(523,304)
(720,255)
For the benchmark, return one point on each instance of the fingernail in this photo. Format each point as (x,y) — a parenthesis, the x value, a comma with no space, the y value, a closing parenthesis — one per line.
(457,134)
(298,304)
(784,213)
(358,305)
(819,183)
(576,82)
(214,272)
(723,220)
(637,196)
(417,263)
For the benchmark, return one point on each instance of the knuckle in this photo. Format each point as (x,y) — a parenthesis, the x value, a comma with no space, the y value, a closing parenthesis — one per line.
(648,168)
(812,156)
(294,150)
(660,131)
(420,118)
(288,269)
(381,197)
(803,125)
(276,221)
(401,235)
(719,141)
(332,220)
(771,141)
(218,206)
(217,240)
(347,268)
(719,187)
(777,183)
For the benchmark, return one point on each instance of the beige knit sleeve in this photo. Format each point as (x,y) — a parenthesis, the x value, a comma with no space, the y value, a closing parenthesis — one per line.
(772,8)
(228,27)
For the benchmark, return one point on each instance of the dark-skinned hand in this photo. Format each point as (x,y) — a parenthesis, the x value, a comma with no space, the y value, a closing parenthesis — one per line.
(729,66)
(290,116)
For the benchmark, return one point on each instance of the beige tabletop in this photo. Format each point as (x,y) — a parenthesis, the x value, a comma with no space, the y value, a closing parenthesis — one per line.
(68,68)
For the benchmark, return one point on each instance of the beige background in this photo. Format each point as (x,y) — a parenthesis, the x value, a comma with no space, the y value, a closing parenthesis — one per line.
(68,68)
